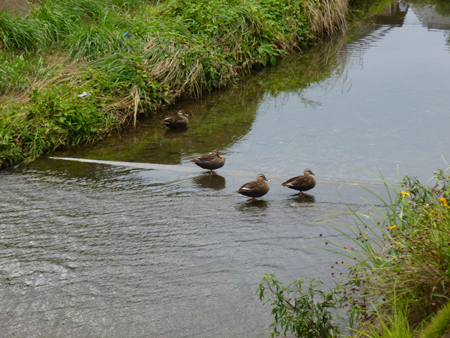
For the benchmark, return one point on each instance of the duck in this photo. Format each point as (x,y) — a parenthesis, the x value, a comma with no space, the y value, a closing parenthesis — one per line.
(302,183)
(177,122)
(257,188)
(210,161)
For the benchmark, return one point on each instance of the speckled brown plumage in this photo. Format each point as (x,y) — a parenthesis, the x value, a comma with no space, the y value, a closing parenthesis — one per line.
(177,122)
(301,183)
(257,188)
(211,161)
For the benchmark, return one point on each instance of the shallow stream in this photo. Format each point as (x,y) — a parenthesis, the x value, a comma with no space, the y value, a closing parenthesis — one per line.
(128,239)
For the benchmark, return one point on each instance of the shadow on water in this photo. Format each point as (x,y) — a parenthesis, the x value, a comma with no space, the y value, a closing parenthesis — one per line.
(302,199)
(208,181)
(250,206)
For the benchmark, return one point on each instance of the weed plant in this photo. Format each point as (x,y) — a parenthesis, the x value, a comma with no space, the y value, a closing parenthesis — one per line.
(405,257)
(399,263)
(306,312)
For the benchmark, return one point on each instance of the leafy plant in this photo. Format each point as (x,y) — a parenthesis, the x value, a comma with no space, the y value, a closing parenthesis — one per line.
(305,313)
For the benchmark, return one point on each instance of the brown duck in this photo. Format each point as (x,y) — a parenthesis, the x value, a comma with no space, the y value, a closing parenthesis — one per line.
(302,183)
(211,161)
(257,188)
(177,122)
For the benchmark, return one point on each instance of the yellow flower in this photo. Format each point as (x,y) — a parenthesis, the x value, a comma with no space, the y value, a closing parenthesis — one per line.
(443,201)
(432,211)
(392,227)
(405,193)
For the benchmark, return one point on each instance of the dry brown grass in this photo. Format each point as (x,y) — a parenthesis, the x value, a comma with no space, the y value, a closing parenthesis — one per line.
(327,17)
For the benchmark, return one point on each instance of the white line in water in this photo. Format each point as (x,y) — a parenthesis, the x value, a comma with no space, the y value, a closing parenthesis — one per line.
(128,164)
(153,166)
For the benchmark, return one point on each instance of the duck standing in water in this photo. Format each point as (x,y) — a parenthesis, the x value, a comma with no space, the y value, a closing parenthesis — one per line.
(257,188)
(211,161)
(302,183)
(177,122)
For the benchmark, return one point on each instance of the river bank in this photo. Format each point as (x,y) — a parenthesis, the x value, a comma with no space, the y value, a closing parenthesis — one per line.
(132,59)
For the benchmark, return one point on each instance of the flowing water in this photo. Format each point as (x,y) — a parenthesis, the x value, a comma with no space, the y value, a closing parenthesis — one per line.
(128,239)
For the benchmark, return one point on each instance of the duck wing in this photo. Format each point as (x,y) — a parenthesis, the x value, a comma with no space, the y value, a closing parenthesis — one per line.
(204,159)
(301,183)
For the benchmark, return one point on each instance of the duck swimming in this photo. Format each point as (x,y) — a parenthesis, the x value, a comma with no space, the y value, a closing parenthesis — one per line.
(177,122)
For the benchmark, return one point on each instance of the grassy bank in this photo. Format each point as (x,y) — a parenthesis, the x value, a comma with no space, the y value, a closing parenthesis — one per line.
(132,58)
(399,270)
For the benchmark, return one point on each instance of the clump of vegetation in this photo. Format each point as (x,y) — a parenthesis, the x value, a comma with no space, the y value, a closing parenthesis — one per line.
(400,260)
(407,255)
(306,313)
(134,57)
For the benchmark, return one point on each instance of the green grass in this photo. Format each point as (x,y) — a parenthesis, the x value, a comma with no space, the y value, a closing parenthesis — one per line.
(394,324)
(401,256)
(303,310)
(135,56)
(439,324)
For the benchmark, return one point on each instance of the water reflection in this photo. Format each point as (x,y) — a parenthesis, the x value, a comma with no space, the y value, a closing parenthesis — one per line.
(171,133)
(394,14)
(252,208)
(302,198)
(208,181)
(434,16)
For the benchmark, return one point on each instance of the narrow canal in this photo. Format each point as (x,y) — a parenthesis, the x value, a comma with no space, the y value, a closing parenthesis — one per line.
(134,241)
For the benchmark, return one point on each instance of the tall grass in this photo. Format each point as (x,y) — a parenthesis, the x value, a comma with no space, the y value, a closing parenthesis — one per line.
(403,254)
(389,324)
(138,55)
(327,17)
(439,324)
(21,33)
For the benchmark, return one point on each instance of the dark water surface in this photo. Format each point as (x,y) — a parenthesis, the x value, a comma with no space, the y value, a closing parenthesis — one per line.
(154,247)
